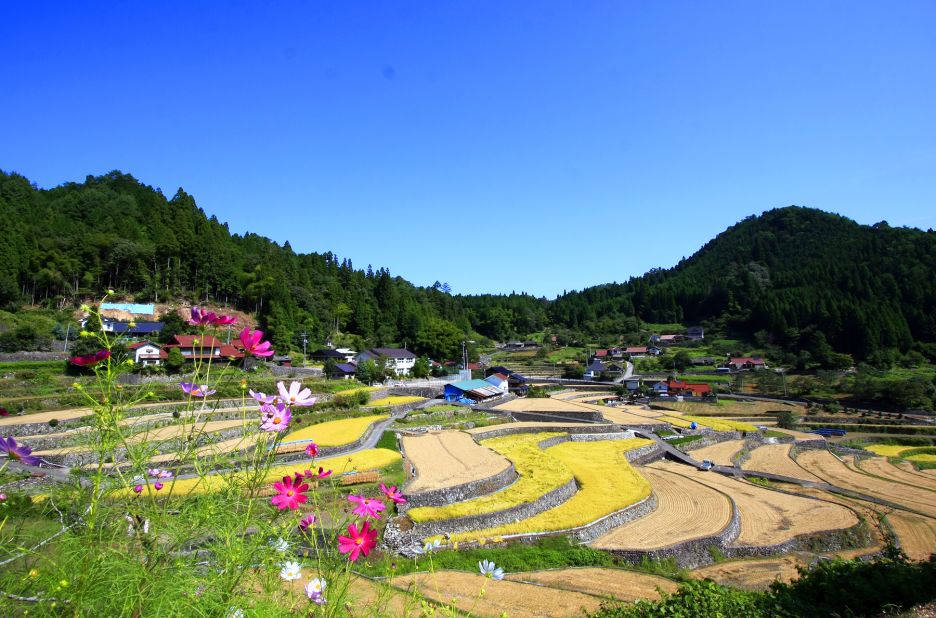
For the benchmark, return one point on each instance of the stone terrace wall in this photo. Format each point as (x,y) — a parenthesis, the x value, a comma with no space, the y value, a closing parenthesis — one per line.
(574,417)
(458,493)
(498,430)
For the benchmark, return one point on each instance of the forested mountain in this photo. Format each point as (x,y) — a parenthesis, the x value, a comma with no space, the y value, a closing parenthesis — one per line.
(797,277)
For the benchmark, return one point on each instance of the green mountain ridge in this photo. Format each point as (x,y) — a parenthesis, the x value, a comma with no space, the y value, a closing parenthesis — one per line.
(798,277)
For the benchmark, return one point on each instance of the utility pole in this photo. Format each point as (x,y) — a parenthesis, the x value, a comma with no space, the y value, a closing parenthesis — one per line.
(305,340)
(67,330)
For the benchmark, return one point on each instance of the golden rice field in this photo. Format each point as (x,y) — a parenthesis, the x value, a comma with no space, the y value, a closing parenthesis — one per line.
(393,400)
(775,458)
(369,459)
(827,467)
(756,574)
(539,473)
(685,510)
(603,582)
(537,426)
(769,517)
(358,389)
(720,424)
(887,450)
(720,453)
(499,598)
(607,483)
(449,458)
(335,433)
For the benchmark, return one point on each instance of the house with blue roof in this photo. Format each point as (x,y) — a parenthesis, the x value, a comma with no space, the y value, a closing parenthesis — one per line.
(472,391)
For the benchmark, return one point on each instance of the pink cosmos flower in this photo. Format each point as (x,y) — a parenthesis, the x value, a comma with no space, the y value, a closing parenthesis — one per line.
(322,473)
(262,398)
(393,494)
(306,522)
(89,360)
(296,395)
(18,452)
(158,473)
(367,507)
(311,449)
(290,494)
(3,412)
(359,542)
(157,485)
(210,318)
(138,489)
(275,418)
(252,345)
(195,390)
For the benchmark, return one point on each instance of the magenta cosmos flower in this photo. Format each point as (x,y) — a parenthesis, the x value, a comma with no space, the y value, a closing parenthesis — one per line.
(358,542)
(262,397)
(18,452)
(322,473)
(89,360)
(311,449)
(275,418)
(296,395)
(252,344)
(393,494)
(3,412)
(290,494)
(367,507)
(195,390)
(306,522)
(210,318)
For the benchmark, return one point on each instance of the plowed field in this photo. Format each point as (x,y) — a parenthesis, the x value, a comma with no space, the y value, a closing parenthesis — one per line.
(720,453)
(617,583)
(825,465)
(769,517)
(514,599)
(449,458)
(685,510)
(775,458)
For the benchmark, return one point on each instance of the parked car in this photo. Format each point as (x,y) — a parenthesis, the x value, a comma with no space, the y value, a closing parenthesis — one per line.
(707,465)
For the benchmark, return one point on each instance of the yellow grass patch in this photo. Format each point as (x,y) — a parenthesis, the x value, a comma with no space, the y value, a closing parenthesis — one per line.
(607,483)
(335,433)
(351,391)
(393,400)
(539,473)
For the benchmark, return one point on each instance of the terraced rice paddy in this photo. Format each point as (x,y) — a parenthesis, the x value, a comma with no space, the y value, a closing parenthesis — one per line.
(449,458)
(887,450)
(622,416)
(617,583)
(720,424)
(917,534)
(775,458)
(364,596)
(800,436)
(770,517)
(394,400)
(726,407)
(515,599)
(539,473)
(582,396)
(546,405)
(879,466)
(335,433)
(751,574)
(720,453)
(685,510)
(535,426)
(827,467)
(607,484)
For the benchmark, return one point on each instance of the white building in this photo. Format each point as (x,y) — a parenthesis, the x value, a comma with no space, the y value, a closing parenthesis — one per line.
(146,353)
(401,361)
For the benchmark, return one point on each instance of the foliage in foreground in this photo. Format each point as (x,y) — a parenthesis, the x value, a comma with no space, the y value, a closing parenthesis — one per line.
(829,588)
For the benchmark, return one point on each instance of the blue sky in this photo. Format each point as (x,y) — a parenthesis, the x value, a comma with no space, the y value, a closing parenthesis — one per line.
(497,146)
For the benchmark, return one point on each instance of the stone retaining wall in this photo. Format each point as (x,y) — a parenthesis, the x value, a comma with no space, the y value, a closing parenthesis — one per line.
(573,417)
(428,392)
(545,502)
(458,493)
(498,431)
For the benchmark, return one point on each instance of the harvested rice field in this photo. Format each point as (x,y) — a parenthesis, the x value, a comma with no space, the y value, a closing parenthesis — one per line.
(621,416)
(685,510)
(535,404)
(727,407)
(906,466)
(775,458)
(335,433)
(870,511)
(720,453)
(617,583)
(917,534)
(751,574)
(827,467)
(364,596)
(449,458)
(770,517)
(539,473)
(800,436)
(879,466)
(582,396)
(515,599)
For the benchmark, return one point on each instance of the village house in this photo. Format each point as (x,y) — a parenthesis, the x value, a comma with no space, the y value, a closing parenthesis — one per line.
(746,364)
(594,370)
(343,371)
(636,351)
(472,391)
(147,353)
(400,360)
(203,348)
(131,329)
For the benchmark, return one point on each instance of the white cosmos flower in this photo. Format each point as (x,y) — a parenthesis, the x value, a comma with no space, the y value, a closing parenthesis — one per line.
(291,571)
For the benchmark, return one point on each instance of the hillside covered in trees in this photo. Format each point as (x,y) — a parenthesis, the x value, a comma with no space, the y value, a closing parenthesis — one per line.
(798,278)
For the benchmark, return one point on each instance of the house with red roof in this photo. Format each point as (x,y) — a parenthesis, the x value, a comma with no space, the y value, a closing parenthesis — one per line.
(746,363)
(203,348)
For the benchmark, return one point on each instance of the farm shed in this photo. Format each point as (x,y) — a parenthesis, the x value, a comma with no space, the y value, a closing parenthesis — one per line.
(471,391)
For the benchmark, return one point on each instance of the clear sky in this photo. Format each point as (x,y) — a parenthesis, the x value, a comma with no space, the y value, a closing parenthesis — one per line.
(497,146)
